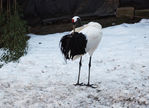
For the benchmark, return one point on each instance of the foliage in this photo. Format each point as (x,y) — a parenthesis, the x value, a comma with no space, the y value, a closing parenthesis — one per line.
(12,36)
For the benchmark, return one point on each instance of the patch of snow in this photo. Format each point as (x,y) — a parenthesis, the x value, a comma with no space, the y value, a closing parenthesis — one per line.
(120,70)
(144,21)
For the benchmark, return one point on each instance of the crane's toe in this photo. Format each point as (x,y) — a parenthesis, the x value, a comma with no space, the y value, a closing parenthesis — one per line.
(79,84)
(87,85)
(91,85)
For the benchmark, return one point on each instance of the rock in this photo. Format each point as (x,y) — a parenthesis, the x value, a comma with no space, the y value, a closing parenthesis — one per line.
(142,13)
(125,12)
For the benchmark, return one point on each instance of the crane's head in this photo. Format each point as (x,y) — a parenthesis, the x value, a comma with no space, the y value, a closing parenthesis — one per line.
(76,21)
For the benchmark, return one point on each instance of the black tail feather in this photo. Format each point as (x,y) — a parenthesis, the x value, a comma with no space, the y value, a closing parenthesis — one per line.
(73,44)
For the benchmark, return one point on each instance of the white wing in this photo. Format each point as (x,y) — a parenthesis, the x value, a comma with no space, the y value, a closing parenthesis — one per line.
(94,34)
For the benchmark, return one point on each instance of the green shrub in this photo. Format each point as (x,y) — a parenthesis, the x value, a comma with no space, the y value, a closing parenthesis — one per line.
(13,39)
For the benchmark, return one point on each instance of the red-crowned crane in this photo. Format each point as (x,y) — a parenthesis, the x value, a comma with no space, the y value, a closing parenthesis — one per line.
(81,40)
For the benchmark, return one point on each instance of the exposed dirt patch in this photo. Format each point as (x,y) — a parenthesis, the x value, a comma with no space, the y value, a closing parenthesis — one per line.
(63,26)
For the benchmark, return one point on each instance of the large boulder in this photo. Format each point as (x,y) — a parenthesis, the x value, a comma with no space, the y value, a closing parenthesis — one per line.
(37,11)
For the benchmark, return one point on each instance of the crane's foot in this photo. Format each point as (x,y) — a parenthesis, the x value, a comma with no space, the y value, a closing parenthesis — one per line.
(91,85)
(79,84)
(87,85)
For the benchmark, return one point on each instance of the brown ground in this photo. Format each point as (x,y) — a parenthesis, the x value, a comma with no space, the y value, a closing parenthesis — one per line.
(66,26)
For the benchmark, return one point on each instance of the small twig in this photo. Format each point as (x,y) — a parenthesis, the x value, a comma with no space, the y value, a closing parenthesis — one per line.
(15,6)
(9,7)
(1,6)
(7,10)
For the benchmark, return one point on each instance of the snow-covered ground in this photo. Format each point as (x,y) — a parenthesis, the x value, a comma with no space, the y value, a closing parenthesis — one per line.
(120,70)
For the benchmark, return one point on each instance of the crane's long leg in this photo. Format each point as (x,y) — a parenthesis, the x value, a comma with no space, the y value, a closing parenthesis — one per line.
(80,64)
(88,84)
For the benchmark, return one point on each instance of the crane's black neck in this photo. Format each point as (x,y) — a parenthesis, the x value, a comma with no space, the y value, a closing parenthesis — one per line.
(77,24)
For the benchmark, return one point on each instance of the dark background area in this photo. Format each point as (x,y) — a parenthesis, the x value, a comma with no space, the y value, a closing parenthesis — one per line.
(38,11)
(50,16)
(138,4)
